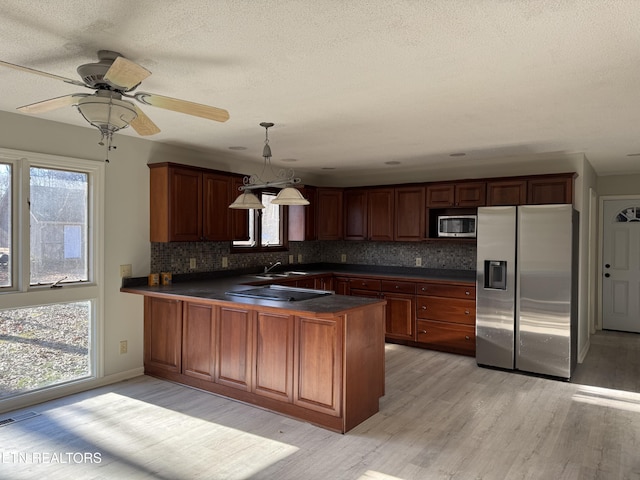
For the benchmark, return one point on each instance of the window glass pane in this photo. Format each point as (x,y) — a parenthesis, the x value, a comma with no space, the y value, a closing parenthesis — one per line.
(5,225)
(270,221)
(58,217)
(43,346)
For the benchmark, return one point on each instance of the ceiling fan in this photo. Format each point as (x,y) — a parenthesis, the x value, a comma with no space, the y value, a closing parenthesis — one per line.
(113,78)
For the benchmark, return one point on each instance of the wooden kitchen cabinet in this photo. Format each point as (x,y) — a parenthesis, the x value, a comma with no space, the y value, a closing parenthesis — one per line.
(550,189)
(318,365)
(463,194)
(189,204)
(445,317)
(329,221)
(302,218)
(163,334)
(369,214)
(410,217)
(235,348)
(400,309)
(199,340)
(506,192)
(274,337)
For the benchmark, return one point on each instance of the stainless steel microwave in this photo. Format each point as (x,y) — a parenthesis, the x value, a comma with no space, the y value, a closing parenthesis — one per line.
(457,225)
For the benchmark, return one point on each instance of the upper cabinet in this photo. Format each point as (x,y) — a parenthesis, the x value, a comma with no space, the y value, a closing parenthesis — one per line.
(369,214)
(329,211)
(302,218)
(463,194)
(534,190)
(190,204)
(409,223)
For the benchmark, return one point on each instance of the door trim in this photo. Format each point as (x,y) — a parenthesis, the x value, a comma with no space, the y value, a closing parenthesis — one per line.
(604,198)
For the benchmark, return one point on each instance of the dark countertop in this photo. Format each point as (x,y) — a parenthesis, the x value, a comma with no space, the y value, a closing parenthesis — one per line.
(213,285)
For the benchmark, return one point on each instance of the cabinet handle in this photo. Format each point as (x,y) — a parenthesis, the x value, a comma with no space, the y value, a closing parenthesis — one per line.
(397,286)
(424,307)
(466,337)
(422,331)
(467,293)
(466,312)
(424,289)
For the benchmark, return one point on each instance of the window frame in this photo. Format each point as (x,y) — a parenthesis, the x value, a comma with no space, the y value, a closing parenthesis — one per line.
(21,294)
(257,228)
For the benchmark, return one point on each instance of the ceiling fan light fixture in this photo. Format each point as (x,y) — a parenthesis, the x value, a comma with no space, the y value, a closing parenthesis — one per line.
(106,112)
(247,201)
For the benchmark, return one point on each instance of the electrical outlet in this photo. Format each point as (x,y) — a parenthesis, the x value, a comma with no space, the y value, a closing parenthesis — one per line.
(290,258)
(123,347)
(192,263)
(125,271)
(225,262)
(418,261)
(343,258)
(299,258)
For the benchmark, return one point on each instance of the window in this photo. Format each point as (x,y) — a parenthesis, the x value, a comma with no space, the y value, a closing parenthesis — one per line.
(266,227)
(49,223)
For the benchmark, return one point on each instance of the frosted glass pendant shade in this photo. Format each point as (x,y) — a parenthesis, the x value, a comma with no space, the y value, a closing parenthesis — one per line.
(290,196)
(247,201)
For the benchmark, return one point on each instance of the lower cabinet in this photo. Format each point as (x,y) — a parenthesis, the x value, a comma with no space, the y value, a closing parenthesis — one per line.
(306,366)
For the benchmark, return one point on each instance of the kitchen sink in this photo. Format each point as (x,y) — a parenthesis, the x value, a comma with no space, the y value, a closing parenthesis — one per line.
(280,293)
(270,275)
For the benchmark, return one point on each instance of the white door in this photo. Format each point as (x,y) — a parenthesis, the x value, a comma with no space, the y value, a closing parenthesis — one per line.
(621,265)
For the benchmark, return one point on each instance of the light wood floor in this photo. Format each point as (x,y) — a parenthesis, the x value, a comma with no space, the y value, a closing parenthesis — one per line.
(442,418)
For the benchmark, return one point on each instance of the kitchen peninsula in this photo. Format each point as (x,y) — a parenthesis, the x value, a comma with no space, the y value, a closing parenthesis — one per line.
(320,360)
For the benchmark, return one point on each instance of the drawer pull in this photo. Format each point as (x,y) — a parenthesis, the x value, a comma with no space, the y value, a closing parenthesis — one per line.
(467,292)
(424,307)
(466,312)
(422,331)
(397,286)
(424,289)
(466,337)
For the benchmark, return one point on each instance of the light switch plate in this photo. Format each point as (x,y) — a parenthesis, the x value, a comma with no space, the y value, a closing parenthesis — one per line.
(225,262)
(418,261)
(343,258)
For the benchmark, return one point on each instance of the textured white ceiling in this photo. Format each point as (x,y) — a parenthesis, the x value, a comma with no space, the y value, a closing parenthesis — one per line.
(352,85)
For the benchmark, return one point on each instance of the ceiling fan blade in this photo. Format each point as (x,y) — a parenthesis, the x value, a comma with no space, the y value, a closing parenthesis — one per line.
(125,74)
(182,106)
(52,104)
(143,124)
(44,74)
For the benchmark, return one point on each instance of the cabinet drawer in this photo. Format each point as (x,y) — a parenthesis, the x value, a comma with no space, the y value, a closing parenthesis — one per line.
(449,337)
(446,310)
(444,290)
(365,284)
(392,286)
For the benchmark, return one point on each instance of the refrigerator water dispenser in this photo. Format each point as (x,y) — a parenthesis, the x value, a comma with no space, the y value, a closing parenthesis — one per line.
(495,274)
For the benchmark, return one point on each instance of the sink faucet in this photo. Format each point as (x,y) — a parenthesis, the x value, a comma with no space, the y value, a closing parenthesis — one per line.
(271,267)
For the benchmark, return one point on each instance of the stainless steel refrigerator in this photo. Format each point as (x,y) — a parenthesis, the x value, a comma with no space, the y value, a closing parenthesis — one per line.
(526,291)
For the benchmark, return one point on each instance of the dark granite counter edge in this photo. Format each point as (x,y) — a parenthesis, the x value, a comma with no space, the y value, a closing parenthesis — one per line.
(337,268)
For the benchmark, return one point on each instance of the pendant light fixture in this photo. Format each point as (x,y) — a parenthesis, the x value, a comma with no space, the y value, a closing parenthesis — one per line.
(284,179)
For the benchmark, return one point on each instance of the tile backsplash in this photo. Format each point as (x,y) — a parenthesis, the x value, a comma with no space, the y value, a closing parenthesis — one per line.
(176,257)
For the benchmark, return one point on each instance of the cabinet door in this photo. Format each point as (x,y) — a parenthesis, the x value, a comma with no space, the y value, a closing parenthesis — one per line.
(217,193)
(234,348)
(239,217)
(441,195)
(185,205)
(302,218)
(318,365)
(274,356)
(198,341)
(162,334)
(471,194)
(399,316)
(409,214)
(329,214)
(541,191)
(506,192)
(342,286)
(381,217)
(355,214)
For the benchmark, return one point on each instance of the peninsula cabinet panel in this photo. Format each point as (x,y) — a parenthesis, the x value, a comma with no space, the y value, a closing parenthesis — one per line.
(409,214)
(234,348)
(329,221)
(506,192)
(162,334)
(198,341)
(274,356)
(318,365)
